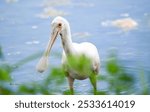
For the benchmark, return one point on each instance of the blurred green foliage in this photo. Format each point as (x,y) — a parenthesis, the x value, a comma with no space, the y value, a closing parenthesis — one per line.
(118,79)
(81,64)
(144,84)
(44,87)
(120,82)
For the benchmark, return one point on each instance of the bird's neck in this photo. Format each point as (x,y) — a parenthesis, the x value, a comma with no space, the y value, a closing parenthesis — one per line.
(67,42)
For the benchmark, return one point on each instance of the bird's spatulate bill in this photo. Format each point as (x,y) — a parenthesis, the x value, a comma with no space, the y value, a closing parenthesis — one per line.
(43,63)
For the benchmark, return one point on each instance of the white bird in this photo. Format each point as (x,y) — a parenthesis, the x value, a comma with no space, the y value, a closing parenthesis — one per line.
(60,26)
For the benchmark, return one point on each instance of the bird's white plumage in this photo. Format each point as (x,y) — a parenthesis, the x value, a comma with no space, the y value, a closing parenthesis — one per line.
(60,26)
(90,51)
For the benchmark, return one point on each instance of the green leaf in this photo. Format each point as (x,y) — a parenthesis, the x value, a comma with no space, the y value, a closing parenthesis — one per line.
(112,66)
(5,91)
(80,64)
(67,92)
(4,75)
(27,89)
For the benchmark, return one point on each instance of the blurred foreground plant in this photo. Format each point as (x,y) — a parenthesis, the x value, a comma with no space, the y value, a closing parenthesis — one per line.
(44,87)
(118,79)
(5,77)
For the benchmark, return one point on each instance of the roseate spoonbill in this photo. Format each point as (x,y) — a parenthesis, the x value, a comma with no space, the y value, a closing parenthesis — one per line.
(60,26)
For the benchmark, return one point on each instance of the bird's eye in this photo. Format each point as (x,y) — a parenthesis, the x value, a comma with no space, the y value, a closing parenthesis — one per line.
(59,24)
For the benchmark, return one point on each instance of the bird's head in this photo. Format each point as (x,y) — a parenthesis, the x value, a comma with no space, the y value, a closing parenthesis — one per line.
(58,27)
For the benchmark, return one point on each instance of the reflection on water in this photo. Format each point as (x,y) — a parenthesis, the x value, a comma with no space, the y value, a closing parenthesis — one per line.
(126,24)
(24,31)
(51,12)
(11,1)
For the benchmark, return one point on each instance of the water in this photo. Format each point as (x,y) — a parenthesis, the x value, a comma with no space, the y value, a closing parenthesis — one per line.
(25,29)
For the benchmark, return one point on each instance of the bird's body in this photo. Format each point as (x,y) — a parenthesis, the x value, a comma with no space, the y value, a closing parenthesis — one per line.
(84,50)
(89,51)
